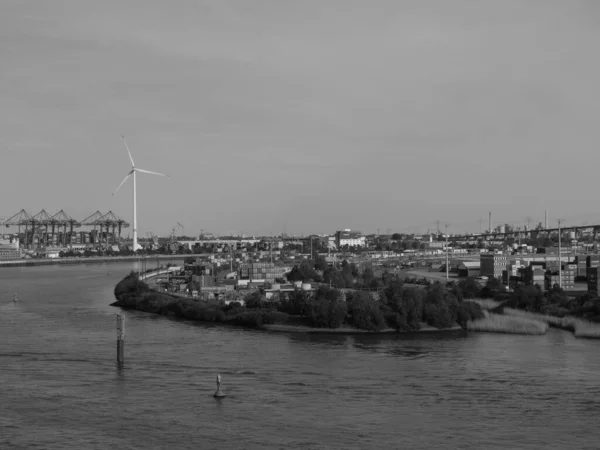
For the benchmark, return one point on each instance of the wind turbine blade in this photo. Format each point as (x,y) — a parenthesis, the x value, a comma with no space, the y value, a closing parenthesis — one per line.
(122,182)
(128,152)
(151,173)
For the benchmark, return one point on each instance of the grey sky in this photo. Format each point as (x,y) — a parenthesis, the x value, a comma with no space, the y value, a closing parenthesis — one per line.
(309,115)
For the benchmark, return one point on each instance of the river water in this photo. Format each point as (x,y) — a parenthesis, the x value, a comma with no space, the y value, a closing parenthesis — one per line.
(60,387)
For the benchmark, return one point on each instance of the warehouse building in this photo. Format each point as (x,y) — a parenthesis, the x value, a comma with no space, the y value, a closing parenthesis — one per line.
(469,269)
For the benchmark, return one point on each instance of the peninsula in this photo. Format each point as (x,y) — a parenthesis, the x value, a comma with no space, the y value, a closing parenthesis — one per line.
(397,308)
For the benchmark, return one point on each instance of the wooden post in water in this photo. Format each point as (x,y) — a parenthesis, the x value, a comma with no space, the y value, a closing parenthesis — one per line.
(120,339)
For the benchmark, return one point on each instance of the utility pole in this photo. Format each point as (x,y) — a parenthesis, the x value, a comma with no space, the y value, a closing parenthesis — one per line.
(446,225)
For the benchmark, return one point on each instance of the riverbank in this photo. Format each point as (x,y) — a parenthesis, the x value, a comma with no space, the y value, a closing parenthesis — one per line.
(518,321)
(284,328)
(88,260)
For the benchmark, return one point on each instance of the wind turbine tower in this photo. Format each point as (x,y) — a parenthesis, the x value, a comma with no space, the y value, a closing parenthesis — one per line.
(133,172)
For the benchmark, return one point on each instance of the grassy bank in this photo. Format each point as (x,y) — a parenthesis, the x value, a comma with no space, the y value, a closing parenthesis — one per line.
(511,320)
(497,323)
(581,328)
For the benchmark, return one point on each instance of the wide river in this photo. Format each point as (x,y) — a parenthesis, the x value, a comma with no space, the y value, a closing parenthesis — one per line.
(60,386)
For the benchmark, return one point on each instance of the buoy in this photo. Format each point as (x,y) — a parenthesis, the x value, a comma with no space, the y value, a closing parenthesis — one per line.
(218,394)
(15,299)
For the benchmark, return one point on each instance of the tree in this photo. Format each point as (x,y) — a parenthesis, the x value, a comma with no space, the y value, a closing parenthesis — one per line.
(334,277)
(440,307)
(254,299)
(470,288)
(296,303)
(409,310)
(492,287)
(368,277)
(320,263)
(303,272)
(326,309)
(468,311)
(365,312)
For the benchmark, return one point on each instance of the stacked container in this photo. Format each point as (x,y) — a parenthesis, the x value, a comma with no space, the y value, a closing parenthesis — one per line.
(593,261)
(534,275)
(581,267)
(592,281)
(568,273)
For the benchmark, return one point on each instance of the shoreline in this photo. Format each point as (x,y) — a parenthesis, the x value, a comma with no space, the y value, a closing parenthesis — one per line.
(283,328)
(89,260)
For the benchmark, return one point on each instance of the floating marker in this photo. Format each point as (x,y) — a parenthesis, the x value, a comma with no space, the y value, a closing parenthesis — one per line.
(218,394)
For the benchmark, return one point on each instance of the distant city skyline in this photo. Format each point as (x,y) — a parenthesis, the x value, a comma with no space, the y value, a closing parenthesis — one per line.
(303,117)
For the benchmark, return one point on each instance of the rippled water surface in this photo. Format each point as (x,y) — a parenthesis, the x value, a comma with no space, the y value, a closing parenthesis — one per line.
(60,387)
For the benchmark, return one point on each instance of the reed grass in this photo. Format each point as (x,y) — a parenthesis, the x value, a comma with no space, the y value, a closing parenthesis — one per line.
(496,323)
(580,327)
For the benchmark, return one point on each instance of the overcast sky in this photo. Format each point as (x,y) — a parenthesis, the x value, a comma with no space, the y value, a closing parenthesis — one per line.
(304,116)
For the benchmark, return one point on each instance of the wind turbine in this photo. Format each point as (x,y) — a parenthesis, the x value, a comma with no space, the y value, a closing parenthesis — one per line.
(133,172)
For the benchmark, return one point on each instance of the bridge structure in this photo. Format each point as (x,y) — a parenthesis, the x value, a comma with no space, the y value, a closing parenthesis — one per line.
(59,229)
(579,231)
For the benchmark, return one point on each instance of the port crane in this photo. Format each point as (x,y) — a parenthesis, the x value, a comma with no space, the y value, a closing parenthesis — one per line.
(177,227)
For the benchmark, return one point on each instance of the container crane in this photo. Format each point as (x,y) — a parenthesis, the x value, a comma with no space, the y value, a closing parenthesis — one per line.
(177,226)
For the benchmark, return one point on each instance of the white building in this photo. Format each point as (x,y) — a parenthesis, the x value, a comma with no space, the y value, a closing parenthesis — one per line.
(349,238)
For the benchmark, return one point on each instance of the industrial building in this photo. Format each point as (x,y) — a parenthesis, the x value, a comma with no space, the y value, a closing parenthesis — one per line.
(492,265)
(349,238)
(9,249)
(469,269)
(261,271)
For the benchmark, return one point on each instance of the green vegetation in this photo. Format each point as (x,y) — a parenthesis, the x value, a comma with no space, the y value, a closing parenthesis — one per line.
(497,323)
(514,312)
(554,302)
(580,327)
(394,306)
